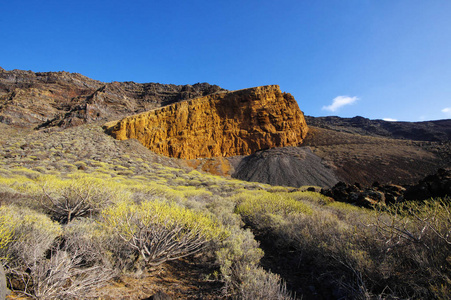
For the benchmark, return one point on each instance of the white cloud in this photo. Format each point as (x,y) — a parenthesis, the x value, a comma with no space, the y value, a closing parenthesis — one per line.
(339,102)
(389,119)
(447,111)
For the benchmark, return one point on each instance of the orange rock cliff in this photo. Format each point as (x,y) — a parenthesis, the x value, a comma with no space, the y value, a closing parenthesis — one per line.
(223,124)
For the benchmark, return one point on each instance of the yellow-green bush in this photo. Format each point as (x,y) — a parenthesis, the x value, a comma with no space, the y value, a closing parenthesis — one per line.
(80,196)
(6,230)
(20,184)
(312,197)
(33,235)
(262,208)
(41,264)
(161,231)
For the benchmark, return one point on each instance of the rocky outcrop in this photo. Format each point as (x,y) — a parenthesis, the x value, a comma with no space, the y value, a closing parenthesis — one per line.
(365,197)
(3,289)
(436,185)
(222,124)
(432,186)
(46,99)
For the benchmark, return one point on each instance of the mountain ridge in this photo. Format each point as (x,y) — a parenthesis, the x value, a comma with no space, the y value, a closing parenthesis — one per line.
(434,130)
(352,149)
(62,99)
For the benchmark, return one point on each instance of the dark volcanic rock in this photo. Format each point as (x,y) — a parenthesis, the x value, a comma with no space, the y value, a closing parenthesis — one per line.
(366,197)
(288,166)
(437,185)
(432,186)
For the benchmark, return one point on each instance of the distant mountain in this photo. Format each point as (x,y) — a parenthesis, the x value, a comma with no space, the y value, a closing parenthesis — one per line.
(434,131)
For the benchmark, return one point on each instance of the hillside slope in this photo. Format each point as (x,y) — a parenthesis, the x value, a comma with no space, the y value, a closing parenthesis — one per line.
(350,154)
(63,99)
(347,149)
(287,166)
(365,159)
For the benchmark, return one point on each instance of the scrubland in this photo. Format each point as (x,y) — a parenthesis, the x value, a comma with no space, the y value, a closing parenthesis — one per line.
(80,213)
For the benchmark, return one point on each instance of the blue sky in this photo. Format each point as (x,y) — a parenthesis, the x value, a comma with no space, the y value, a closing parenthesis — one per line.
(377,59)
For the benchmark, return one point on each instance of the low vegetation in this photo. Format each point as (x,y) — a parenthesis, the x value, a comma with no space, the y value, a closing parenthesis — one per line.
(158,232)
(74,218)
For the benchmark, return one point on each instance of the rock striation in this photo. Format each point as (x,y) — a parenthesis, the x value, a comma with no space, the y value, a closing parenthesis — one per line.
(218,125)
(62,99)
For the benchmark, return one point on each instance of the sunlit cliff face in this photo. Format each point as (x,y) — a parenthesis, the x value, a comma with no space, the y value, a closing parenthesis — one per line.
(223,124)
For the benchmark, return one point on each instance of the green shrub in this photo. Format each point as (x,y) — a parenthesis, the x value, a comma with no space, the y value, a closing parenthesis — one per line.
(238,259)
(259,284)
(6,231)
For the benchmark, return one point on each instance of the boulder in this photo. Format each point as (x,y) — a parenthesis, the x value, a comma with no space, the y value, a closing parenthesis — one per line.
(432,186)
(3,289)
(436,185)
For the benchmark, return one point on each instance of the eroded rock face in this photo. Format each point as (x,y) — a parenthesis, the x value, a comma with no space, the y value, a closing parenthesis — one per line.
(222,124)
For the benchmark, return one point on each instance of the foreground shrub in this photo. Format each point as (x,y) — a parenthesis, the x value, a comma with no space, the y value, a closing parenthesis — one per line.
(66,200)
(34,234)
(330,248)
(258,284)
(44,263)
(395,252)
(61,277)
(239,257)
(6,231)
(158,232)
(240,249)
(417,236)
(87,239)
